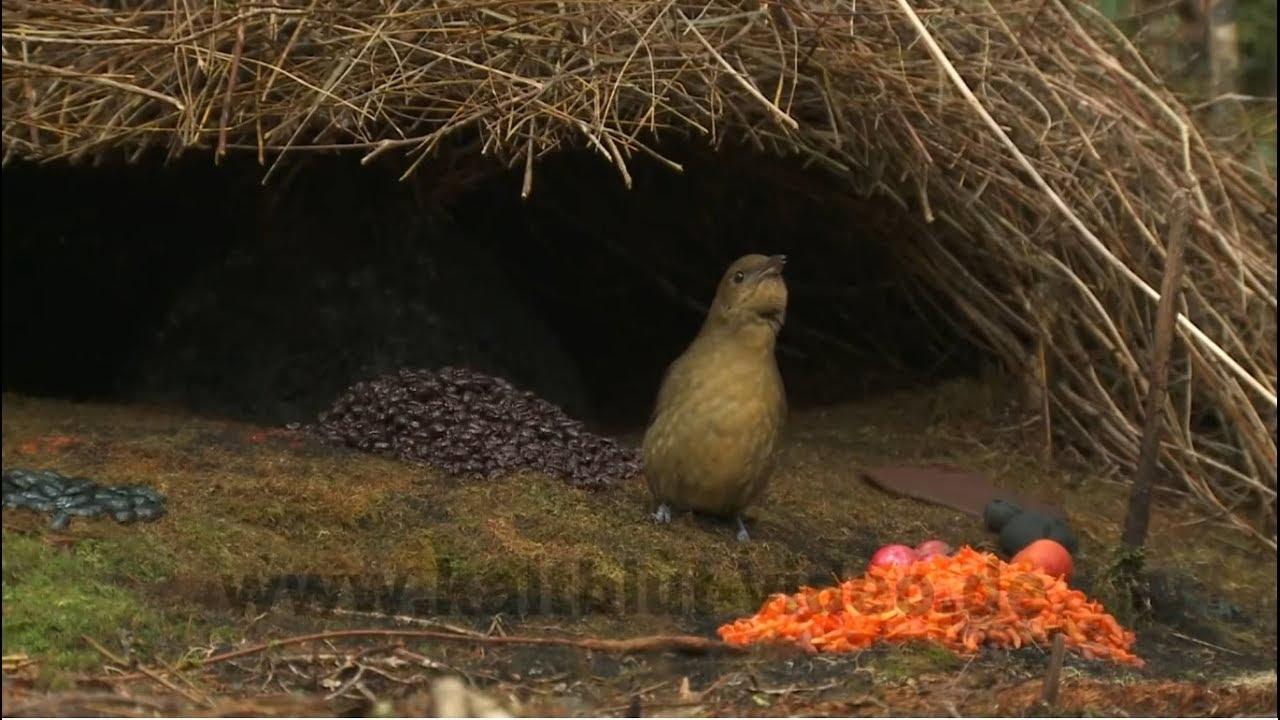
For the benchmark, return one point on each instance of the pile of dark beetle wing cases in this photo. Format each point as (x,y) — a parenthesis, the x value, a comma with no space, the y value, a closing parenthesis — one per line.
(469,424)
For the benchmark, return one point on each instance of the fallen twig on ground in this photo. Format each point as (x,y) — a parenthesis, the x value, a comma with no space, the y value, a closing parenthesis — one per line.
(688,644)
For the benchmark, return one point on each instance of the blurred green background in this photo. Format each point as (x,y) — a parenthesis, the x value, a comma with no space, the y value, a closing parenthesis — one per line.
(1220,55)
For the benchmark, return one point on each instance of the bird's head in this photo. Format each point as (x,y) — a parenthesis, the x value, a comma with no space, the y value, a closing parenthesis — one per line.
(752,294)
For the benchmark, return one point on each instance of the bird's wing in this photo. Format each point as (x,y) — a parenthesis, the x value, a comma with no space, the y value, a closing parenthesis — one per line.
(673,382)
(664,391)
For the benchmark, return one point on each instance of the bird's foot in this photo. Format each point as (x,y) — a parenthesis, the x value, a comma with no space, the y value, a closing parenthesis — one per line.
(663,514)
(742,531)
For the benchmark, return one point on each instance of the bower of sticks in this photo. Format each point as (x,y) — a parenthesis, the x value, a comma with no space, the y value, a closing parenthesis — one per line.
(218,217)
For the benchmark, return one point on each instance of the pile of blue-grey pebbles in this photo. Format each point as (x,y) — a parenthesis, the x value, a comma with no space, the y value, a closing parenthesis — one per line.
(63,497)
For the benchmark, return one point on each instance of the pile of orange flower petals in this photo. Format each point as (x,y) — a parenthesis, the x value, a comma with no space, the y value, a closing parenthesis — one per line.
(962,602)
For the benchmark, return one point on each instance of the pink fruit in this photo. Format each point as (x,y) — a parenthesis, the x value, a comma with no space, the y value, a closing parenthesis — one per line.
(929,548)
(890,555)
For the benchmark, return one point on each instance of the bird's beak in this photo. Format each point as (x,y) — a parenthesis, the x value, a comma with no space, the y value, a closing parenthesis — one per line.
(773,266)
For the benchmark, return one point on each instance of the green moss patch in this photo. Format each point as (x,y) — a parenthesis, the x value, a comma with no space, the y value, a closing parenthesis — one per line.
(54,597)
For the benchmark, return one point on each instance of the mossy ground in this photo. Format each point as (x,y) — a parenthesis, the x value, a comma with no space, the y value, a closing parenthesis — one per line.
(251,510)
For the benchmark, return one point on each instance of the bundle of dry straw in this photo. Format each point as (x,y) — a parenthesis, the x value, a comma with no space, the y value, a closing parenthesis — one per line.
(1029,138)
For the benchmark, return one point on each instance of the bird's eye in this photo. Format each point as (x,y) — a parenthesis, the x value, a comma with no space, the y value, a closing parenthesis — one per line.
(739,276)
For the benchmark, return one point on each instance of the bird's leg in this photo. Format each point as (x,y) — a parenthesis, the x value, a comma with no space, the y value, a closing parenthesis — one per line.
(742,531)
(663,515)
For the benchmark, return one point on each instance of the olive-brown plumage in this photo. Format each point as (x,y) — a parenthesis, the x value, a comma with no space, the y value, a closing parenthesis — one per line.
(712,440)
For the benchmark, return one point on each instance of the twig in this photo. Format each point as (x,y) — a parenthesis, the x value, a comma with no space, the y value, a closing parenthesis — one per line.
(776,111)
(105,652)
(409,620)
(635,703)
(166,683)
(142,670)
(1205,643)
(688,644)
(348,684)
(63,72)
(233,72)
(659,643)
(1138,516)
(1053,674)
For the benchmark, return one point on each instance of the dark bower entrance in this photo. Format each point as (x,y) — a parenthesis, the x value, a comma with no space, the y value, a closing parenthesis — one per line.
(195,285)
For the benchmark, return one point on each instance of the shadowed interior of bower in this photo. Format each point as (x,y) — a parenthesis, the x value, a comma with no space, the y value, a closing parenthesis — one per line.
(195,284)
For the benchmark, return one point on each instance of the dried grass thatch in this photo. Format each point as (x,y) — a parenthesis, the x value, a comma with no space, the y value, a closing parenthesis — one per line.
(1038,150)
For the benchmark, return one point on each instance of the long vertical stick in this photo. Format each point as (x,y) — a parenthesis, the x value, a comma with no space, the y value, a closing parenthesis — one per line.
(1046,419)
(1139,514)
